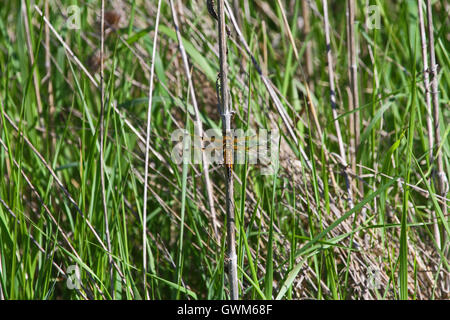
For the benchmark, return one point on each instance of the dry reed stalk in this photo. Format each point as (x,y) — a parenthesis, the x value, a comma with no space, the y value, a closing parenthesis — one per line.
(227,135)
(308,52)
(426,77)
(441,182)
(288,30)
(426,84)
(353,76)
(147,147)
(48,67)
(102,143)
(348,181)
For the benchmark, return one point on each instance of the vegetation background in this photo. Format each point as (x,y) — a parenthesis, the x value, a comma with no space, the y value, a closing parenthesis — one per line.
(353,211)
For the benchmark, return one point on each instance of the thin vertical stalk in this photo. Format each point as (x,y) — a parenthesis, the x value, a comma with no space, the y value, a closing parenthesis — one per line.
(426,78)
(226,116)
(333,103)
(426,84)
(288,30)
(102,142)
(48,67)
(353,75)
(308,52)
(441,182)
(403,254)
(147,148)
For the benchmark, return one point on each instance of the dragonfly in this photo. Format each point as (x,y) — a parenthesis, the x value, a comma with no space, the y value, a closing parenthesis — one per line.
(228,149)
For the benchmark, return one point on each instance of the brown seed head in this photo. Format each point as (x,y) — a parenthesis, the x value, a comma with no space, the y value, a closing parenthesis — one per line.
(94,61)
(112,19)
